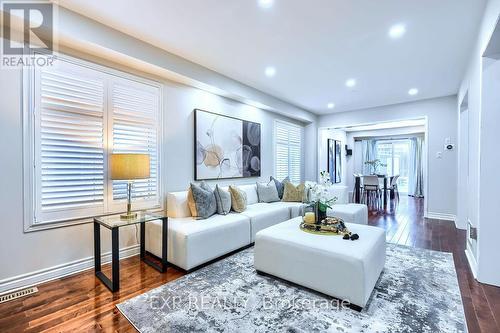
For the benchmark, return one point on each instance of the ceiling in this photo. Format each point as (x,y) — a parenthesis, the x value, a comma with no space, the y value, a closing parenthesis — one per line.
(315,46)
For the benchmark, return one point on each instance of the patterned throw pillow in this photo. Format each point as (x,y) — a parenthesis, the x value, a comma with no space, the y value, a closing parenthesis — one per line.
(223,200)
(267,192)
(201,201)
(280,185)
(238,199)
(294,193)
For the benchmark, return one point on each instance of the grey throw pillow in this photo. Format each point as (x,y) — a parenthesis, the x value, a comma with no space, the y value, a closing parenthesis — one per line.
(267,192)
(223,200)
(280,185)
(201,201)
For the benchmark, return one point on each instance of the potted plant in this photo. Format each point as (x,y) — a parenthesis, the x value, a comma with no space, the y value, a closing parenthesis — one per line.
(321,196)
(375,164)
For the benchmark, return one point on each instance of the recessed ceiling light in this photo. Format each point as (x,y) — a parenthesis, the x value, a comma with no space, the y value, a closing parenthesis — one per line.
(265,3)
(331,105)
(270,71)
(397,31)
(413,91)
(350,83)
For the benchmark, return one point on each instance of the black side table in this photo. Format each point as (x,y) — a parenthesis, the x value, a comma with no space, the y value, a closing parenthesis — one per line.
(113,223)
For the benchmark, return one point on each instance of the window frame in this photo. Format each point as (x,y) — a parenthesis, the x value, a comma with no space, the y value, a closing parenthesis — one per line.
(275,142)
(29,122)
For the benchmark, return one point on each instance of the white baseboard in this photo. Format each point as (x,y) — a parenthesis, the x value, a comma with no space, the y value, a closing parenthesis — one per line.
(472,262)
(441,216)
(56,272)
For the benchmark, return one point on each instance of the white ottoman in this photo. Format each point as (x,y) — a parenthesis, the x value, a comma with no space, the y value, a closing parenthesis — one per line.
(350,213)
(344,269)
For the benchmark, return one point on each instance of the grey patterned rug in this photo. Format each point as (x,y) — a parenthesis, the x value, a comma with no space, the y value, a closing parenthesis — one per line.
(417,292)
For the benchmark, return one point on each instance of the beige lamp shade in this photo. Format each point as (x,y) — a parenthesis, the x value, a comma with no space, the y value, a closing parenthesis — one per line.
(129,166)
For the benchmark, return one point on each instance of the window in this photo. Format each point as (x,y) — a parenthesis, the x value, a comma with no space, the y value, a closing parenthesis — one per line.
(79,113)
(288,151)
(396,155)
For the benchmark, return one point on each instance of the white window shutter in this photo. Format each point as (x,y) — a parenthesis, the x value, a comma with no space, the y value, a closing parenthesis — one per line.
(69,142)
(288,150)
(81,113)
(135,123)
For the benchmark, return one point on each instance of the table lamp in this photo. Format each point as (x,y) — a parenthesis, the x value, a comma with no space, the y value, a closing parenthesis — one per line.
(129,167)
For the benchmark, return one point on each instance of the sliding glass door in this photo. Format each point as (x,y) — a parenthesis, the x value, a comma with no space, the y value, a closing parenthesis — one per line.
(395,154)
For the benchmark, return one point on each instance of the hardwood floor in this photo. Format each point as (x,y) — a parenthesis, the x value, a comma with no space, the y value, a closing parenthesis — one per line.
(82,303)
(407,226)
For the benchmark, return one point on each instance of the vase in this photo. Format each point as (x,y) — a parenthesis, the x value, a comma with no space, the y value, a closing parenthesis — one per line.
(320,212)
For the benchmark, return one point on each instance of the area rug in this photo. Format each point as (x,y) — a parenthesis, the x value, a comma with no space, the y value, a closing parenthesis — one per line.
(417,292)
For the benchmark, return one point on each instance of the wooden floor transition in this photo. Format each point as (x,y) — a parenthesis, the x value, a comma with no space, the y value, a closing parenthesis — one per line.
(82,303)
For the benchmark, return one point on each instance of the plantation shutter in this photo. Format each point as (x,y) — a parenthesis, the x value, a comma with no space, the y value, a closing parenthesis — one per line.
(80,113)
(135,110)
(69,142)
(288,149)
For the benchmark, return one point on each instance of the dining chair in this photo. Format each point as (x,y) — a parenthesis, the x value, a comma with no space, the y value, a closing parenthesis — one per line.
(393,188)
(355,175)
(371,191)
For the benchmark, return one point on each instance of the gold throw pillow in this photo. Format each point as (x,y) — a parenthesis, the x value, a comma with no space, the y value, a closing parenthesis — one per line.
(294,193)
(238,199)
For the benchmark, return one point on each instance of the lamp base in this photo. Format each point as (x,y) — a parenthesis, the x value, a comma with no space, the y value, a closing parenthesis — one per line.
(128,216)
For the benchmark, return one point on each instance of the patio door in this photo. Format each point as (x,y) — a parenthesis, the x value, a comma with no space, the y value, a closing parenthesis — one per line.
(395,154)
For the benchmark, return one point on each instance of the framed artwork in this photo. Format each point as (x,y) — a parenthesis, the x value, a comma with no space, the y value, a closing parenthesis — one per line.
(225,147)
(335,160)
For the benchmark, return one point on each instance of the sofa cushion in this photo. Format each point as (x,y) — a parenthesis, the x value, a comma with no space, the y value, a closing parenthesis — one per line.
(251,192)
(295,208)
(223,200)
(201,201)
(280,185)
(238,199)
(263,215)
(267,192)
(294,193)
(177,204)
(194,242)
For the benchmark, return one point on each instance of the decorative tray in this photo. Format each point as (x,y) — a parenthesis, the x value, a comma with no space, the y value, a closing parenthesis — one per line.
(330,226)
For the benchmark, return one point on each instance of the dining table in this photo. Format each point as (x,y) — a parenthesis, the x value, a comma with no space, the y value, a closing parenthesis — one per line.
(357,188)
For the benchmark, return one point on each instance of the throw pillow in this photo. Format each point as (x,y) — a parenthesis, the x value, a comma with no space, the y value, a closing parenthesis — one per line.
(267,192)
(280,185)
(223,200)
(201,201)
(294,193)
(238,199)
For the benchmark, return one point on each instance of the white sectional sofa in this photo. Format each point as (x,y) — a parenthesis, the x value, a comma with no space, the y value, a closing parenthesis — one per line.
(194,242)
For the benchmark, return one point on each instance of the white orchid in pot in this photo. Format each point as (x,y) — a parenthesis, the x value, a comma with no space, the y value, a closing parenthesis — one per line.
(321,196)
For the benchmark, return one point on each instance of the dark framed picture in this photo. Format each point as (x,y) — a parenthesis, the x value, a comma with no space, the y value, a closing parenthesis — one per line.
(334,160)
(225,147)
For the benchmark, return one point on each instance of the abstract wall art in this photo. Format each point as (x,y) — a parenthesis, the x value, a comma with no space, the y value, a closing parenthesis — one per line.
(334,160)
(225,147)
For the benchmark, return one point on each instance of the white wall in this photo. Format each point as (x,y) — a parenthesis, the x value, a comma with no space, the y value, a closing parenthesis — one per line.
(442,123)
(311,151)
(483,123)
(180,101)
(339,135)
